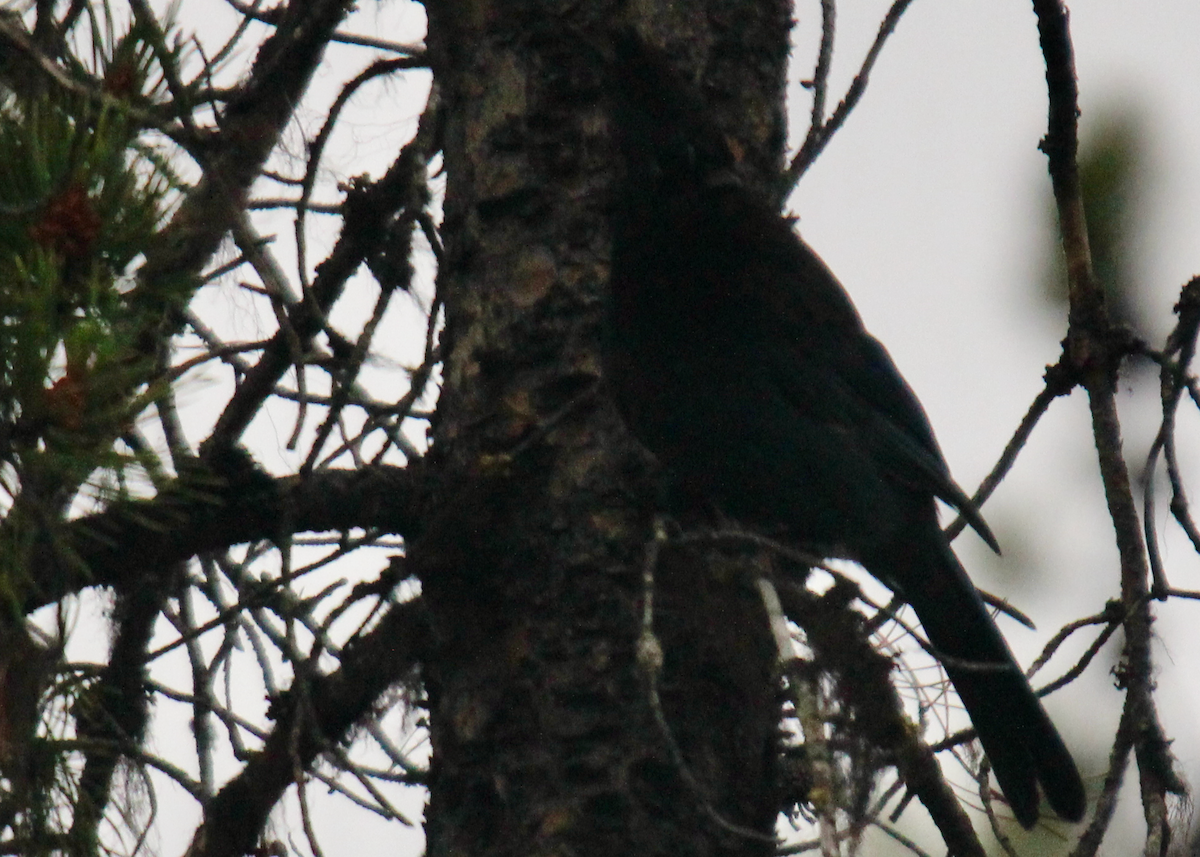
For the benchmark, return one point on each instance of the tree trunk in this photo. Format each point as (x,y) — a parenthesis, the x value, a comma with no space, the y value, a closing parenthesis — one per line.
(546,735)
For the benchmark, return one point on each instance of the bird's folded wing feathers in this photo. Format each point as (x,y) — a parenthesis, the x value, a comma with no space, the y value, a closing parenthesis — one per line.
(865,395)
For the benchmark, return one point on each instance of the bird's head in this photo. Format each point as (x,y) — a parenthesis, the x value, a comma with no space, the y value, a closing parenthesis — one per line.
(666,136)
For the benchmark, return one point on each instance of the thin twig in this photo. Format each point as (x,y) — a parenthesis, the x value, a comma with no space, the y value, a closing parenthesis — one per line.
(1059,381)
(272,17)
(820,78)
(815,144)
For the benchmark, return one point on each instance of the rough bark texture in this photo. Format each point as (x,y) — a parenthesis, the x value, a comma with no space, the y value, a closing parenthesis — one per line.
(543,734)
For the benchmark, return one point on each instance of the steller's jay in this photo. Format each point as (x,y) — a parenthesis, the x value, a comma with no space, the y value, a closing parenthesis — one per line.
(738,359)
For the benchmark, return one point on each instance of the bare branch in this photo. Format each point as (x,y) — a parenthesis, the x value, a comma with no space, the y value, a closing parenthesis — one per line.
(816,141)
(335,702)
(112,548)
(272,17)
(1096,348)
(368,211)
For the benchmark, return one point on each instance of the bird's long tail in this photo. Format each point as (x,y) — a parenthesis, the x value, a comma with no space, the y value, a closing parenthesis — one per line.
(1022,744)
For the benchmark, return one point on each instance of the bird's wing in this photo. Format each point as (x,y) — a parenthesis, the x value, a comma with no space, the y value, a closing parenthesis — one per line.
(867,396)
(849,379)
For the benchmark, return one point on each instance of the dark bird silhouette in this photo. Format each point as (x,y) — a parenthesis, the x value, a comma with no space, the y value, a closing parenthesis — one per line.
(739,360)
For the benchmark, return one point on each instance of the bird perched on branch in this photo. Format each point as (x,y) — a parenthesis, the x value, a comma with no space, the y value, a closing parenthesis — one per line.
(739,360)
